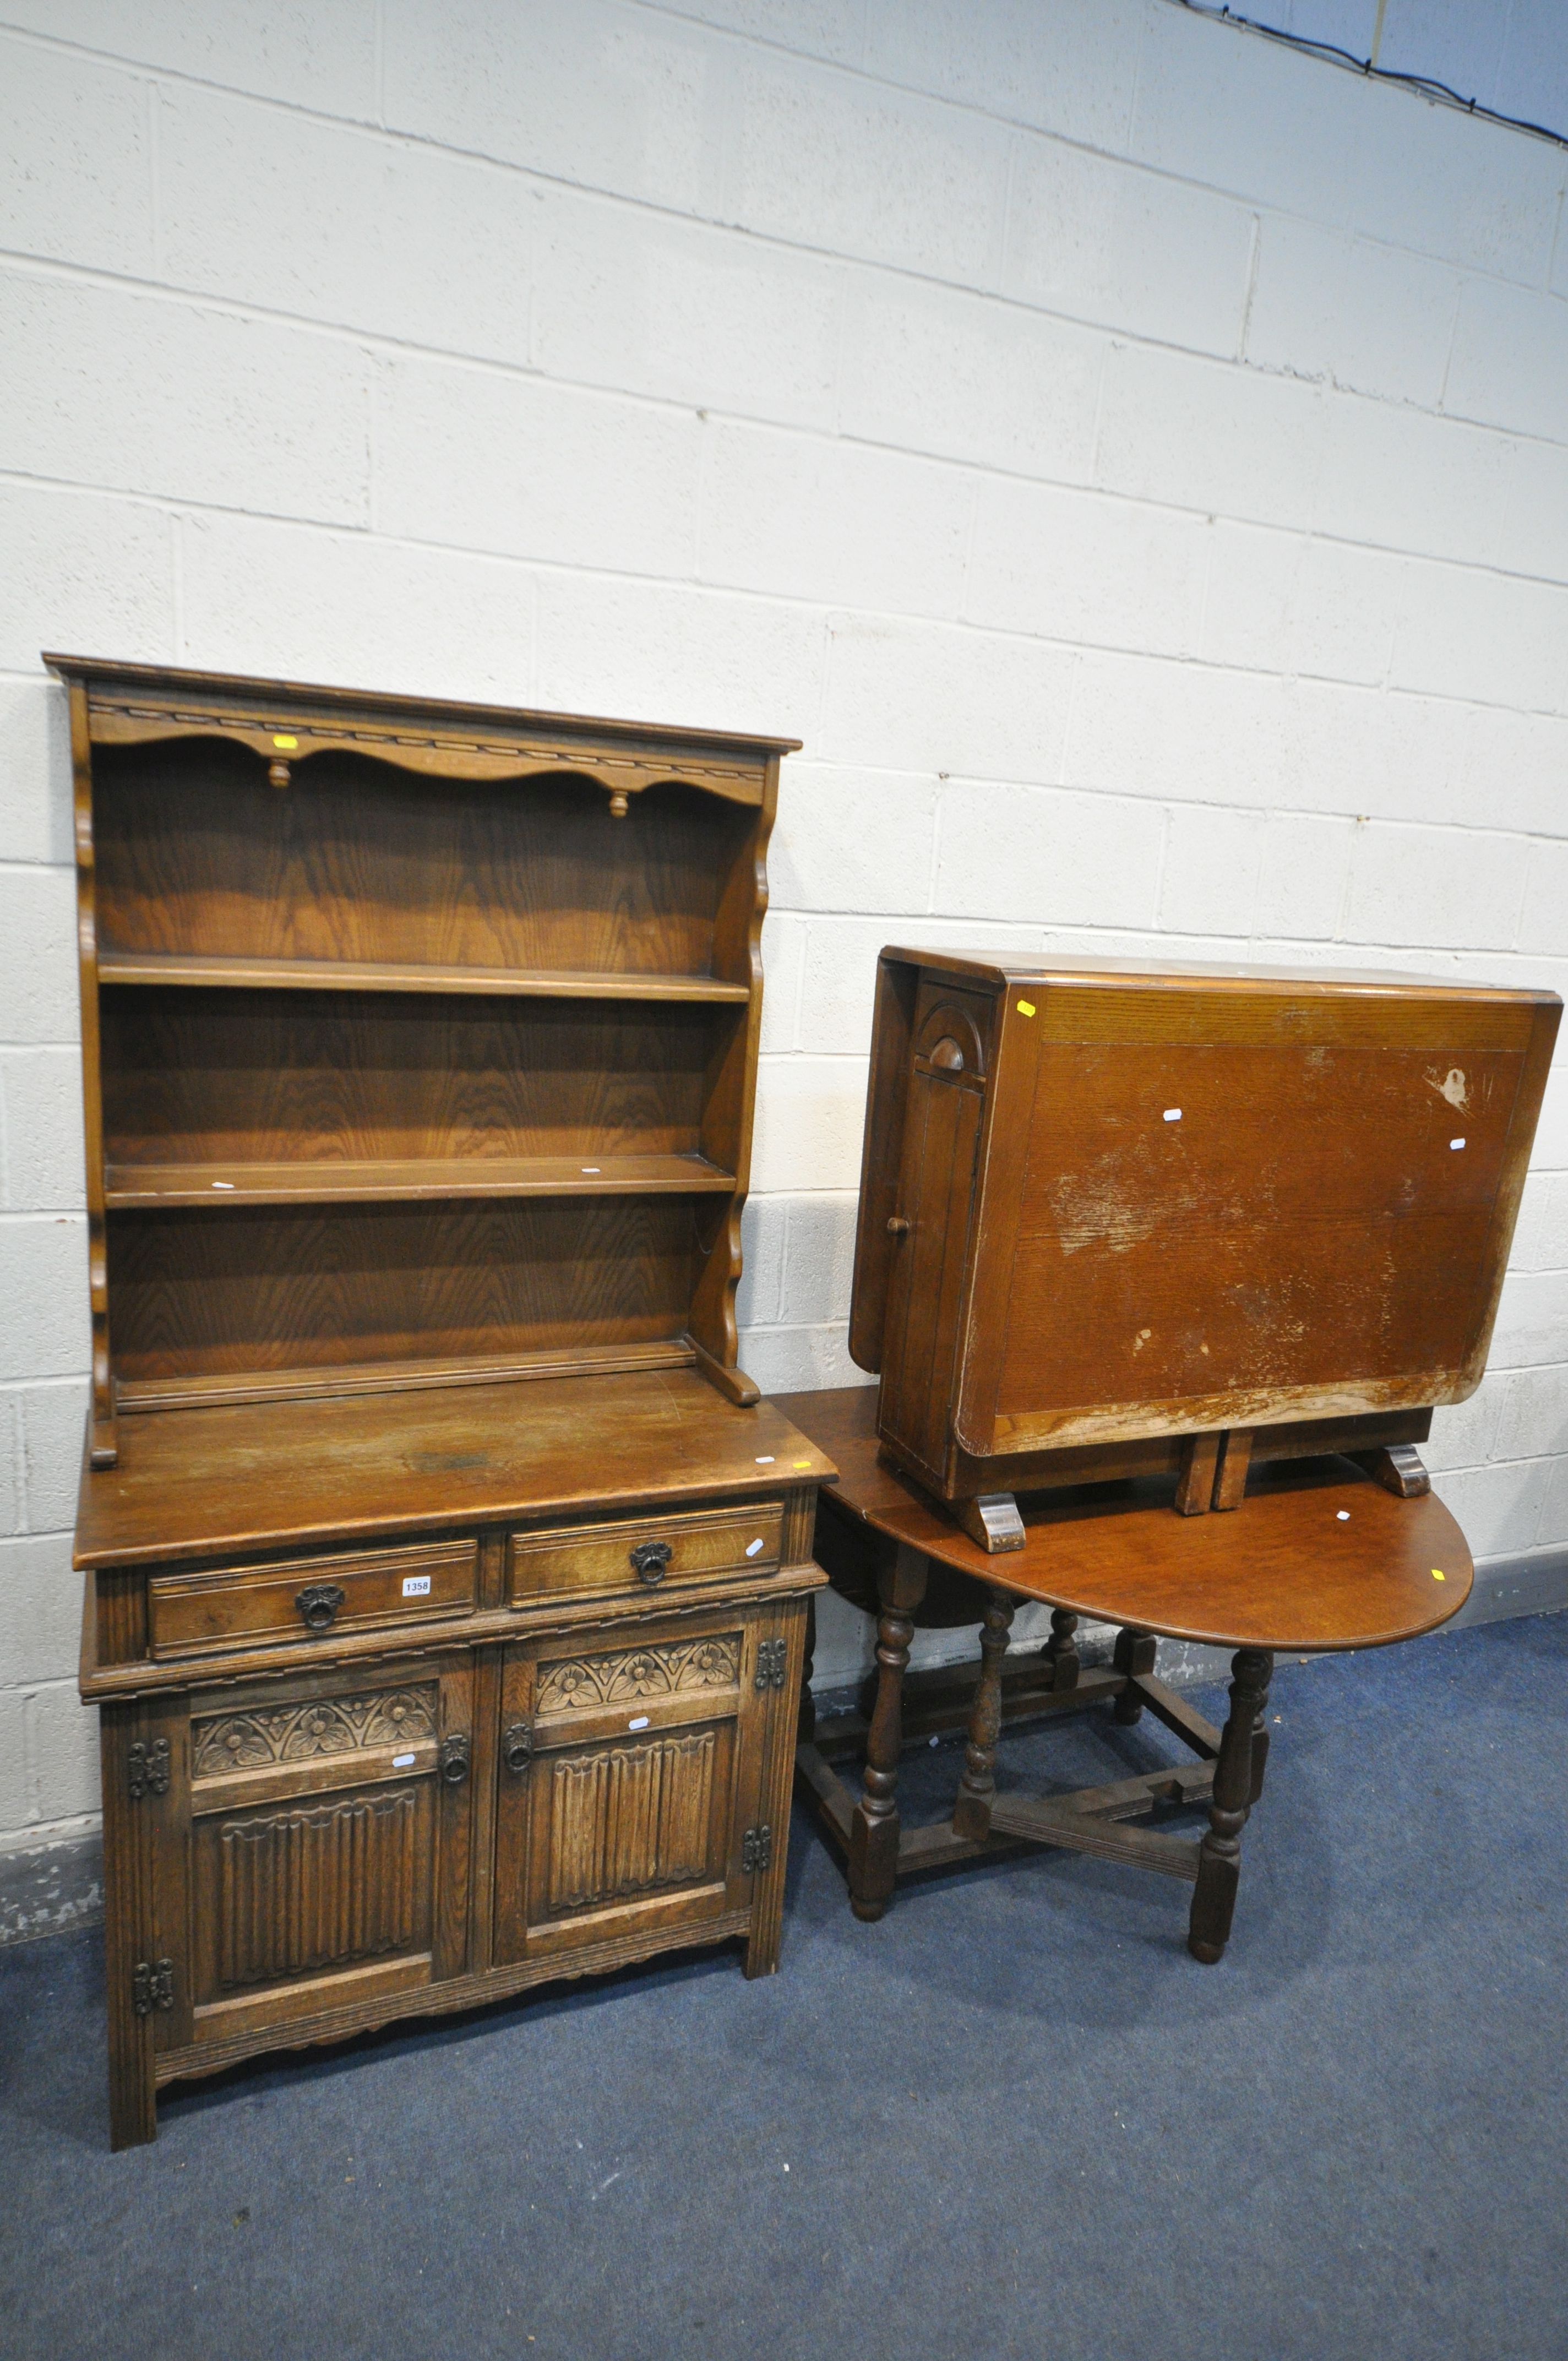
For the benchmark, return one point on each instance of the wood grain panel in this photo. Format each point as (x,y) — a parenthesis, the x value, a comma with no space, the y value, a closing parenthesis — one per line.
(1203,1222)
(198,853)
(943,1121)
(251,1077)
(240,1290)
(152,971)
(131,1929)
(235,1606)
(102,1441)
(1259,1135)
(135,1188)
(1261,1007)
(877,1251)
(121,1618)
(1286,1570)
(576,1562)
(207,1483)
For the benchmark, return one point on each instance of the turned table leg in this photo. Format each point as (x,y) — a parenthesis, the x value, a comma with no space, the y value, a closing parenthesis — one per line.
(874,1829)
(971,1813)
(1134,1654)
(1220,1854)
(1260,1736)
(1061,1650)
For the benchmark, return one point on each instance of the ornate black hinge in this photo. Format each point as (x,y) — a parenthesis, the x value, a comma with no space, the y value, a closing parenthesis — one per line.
(773,1656)
(757,1848)
(147,1768)
(152,1985)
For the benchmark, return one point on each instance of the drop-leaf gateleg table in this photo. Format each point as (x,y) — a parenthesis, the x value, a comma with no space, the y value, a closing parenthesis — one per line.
(1321,1555)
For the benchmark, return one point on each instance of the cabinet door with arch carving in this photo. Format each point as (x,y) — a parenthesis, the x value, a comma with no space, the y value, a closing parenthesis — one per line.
(631,1774)
(327,1858)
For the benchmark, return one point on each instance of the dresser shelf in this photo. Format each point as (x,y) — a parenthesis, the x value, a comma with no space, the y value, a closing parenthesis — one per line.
(438,1065)
(346,1381)
(142,1187)
(201,970)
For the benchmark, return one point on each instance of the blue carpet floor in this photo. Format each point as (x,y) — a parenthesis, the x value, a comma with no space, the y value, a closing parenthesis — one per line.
(1012,2120)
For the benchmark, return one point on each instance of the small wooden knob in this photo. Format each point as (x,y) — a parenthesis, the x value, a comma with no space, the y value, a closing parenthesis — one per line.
(897,1227)
(618,806)
(278,774)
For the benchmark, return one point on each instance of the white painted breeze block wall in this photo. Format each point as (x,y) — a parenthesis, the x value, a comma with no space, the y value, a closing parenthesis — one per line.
(1132,457)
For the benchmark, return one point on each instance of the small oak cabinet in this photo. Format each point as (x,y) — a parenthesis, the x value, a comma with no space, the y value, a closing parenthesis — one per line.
(313,1834)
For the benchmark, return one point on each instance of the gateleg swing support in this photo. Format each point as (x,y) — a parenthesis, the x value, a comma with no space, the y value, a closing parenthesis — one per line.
(867,1829)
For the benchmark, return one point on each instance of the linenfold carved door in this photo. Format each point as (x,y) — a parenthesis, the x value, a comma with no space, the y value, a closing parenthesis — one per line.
(630,1779)
(328,1820)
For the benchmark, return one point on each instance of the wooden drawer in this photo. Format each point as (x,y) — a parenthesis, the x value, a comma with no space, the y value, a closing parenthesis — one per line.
(585,1561)
(239,1607)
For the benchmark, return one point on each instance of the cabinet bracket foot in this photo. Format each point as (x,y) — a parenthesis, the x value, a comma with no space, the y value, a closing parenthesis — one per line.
(992,1521)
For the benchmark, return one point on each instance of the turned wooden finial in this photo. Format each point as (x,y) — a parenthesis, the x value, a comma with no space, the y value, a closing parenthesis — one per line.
(278,773)
(618,806)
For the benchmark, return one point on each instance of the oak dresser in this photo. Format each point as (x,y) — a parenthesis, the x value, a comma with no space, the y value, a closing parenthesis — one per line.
(445,1579)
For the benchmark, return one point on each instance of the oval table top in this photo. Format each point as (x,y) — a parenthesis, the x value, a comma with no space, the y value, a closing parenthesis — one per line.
(1318,1556)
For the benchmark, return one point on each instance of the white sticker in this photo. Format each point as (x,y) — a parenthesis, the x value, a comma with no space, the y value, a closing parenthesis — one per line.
(402,1762)
(766,1460)
(416,1585)
(639,1723)
(1173,1114)
(1343,1516)
(752,1547)
(593,1168)
(223,1184)
(1456,1143)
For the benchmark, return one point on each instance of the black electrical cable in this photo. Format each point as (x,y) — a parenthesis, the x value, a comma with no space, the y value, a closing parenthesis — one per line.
(1424,84)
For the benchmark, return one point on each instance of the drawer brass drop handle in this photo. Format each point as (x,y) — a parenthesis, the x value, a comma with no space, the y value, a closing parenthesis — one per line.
(517,1746)
(453,1759)
(651,1558)
(318,1603)
(897,1227)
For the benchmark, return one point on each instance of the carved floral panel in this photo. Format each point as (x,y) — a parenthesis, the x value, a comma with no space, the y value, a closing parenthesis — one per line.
(300,1732)
(631,1674)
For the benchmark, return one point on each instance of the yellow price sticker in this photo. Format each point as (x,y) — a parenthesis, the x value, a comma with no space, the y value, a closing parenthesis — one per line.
(1026,1008)
(285,741)
(1438,1574)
